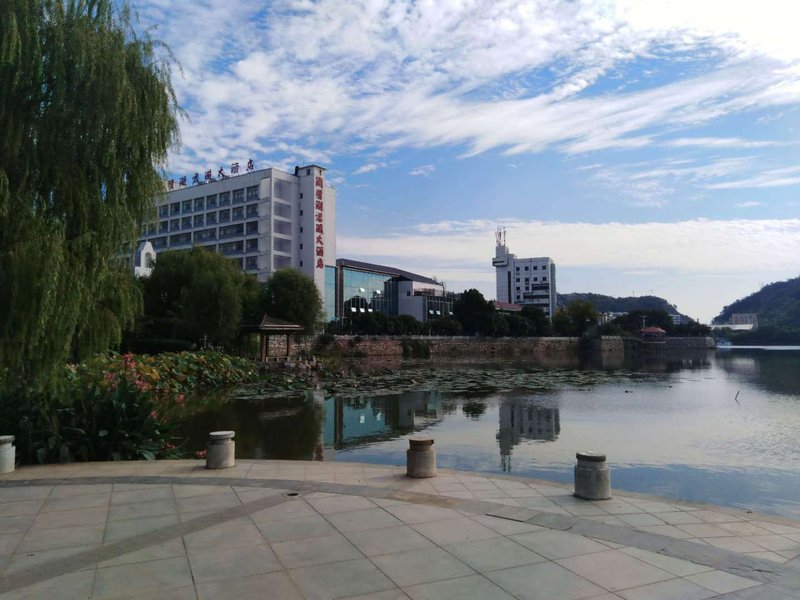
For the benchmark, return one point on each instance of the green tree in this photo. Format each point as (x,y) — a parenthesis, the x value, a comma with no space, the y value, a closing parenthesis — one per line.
(475,313)
(574,319)
(199,296)
(292,296)
(87,115)
(539,324)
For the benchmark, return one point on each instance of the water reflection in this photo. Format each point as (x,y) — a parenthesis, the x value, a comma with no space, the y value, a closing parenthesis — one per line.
(525,420)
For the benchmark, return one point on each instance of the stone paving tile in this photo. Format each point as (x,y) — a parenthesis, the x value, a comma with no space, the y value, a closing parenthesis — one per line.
(24,493)
(640,520)
(337,504)
(395,594)
(767,555)
(703,530)
(676,589)
(473,587)
(61,491)
(454,531)
(315,551)
(46,539)
(171,549)
(721,582)
(73,586)
(231,534)
(76,502)
(679,518)
(340,580)
(743,528)
(506,526)
(678,567)
(294,529)
(734,544)
(715,516)
(614,570)
(375,542)
(15,524)
(361,520)
(775,542)
(139,578)
(9,541)
(421,566)
(558,544)
(271,586)
(226,563)
(494,554)
(292,509)
(70,518)
(24,561)
(186,592)
(157,508)
(551,581)
(669,530)
(420,513)
(229,499)
(21,507)
(141,495)
(776,527)
(118,530)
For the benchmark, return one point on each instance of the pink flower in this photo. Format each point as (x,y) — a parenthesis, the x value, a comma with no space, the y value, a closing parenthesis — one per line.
(154,415)
(180,399)
(200,454)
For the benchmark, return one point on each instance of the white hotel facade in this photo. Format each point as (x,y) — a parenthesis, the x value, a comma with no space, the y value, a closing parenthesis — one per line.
(266,220)
(530,281)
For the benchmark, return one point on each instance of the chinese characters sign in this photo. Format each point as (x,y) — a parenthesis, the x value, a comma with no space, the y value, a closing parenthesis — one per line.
(319,244)
(196,180)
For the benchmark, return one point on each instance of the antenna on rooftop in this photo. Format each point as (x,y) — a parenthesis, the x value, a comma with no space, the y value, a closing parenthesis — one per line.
(500,236)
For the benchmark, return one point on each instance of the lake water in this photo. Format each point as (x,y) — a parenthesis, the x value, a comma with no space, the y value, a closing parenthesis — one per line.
(720,427)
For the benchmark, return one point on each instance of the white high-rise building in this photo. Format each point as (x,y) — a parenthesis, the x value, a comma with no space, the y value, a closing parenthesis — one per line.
(524,280)
(266,220)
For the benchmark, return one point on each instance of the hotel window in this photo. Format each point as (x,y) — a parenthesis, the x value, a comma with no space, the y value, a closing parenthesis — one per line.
(251,227)
(282,210)
(225,215)
(199,203)
(517,279)
(187,206)
(281,261)
(231,231)
(163,227)
(526,268)
(281,245)
(282,227)
(544,278)
(238,213)
(535,267)
(199,220)
(308,171)
(163,211)
(224,199)
(252,193)
(211,218)
(186,223)
(175,208)
(251,263)
(252,211)
(180,239)
(238,196)
(251,245)
(174,225)
(211,201)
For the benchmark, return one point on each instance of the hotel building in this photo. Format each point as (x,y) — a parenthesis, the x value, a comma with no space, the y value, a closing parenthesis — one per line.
(265,220)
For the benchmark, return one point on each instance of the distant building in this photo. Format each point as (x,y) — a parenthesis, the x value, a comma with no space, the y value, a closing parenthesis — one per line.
(265,220)
(362,287)
(507,307)
(745,319)
(527,281)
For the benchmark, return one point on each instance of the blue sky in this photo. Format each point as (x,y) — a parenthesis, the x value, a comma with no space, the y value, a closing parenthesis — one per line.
(647,147)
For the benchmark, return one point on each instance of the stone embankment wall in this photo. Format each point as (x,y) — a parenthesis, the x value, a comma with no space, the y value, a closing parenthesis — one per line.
(453,346)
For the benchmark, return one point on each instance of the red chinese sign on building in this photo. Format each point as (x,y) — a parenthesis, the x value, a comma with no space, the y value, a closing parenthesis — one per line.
(319,246)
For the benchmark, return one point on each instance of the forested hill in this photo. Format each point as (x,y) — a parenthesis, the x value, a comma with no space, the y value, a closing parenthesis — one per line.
(610,304)
(777,306)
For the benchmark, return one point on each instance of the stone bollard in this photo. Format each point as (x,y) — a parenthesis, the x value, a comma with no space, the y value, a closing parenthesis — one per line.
(592,476)
(421,458)
(220,453)
(8,453)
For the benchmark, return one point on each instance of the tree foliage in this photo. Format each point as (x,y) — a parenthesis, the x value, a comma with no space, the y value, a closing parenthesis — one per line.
(475,313)
(197,296)
(87,114)
(575,318)
(777,306)
(293,296)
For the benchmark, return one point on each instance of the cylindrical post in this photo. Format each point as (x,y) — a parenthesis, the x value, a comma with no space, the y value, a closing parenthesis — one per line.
(421,458)
(592,476)
(221,450)
(8,453)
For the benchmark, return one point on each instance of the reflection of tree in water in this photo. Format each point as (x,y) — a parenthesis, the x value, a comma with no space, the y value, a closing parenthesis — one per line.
(265,428)
(773,370)
(474,410)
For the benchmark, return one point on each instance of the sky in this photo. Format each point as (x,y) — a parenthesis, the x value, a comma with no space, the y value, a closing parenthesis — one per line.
(646,147)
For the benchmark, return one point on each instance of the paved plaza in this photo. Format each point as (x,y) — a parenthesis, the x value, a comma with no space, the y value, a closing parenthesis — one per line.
(292,530)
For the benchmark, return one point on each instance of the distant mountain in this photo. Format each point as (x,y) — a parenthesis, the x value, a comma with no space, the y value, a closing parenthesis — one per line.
(777,306)
(605,304)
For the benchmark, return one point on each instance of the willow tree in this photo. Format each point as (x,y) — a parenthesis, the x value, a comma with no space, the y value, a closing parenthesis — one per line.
(87,115)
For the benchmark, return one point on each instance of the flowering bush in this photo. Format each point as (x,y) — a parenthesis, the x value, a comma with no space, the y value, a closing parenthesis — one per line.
(117,407)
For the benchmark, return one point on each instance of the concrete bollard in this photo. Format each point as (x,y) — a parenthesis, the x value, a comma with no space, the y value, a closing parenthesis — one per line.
(221,450)
(592,476)
(8,453)
(421,458)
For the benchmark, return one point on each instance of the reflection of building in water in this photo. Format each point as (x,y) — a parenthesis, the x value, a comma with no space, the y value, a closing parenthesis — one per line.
(350,422)
(519,420)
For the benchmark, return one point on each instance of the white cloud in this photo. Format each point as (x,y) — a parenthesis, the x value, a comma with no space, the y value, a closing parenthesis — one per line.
(374,75)
(422,170)
(716,142)
(771,178)
(369,168)
(749,204)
